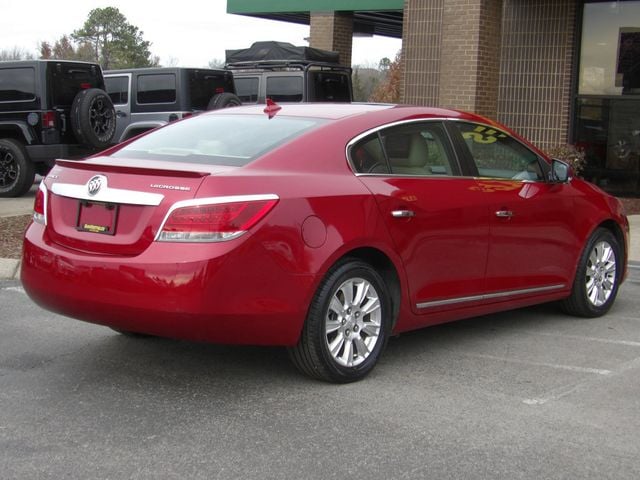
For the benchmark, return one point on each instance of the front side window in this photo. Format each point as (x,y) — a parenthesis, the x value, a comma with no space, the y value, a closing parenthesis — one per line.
(160,88)
(413,149)
(284,89)
(118,89)
(17,85)
(498,155)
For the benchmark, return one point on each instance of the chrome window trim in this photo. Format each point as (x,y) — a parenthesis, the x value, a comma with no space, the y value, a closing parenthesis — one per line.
(194,202)
(489,296)
(108,195)
(436,119)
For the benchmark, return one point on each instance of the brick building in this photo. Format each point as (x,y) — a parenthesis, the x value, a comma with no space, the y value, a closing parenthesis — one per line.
(556,71)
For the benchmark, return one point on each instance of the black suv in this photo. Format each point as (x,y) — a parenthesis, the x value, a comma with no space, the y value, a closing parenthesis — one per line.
(286,73)
(147,98)
(49,109)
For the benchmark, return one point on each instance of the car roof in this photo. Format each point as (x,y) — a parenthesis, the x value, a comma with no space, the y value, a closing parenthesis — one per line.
(337,111)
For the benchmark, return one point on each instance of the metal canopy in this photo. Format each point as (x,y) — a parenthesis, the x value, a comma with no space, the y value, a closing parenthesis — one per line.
(370,17)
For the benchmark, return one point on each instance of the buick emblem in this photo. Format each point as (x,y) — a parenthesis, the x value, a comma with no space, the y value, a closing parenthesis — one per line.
(95,184)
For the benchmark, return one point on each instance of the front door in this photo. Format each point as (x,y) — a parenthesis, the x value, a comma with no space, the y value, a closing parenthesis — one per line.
(530,238)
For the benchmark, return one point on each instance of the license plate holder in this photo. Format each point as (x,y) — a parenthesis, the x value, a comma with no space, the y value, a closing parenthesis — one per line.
(97,217)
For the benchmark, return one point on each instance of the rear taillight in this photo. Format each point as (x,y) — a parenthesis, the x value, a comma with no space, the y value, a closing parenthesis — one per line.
(40,205)
(48,119)
(214,219)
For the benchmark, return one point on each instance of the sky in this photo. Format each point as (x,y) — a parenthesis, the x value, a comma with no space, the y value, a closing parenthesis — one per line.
(189,35)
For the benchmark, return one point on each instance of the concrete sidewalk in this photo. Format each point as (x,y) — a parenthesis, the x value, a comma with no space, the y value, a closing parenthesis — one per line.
(10,268)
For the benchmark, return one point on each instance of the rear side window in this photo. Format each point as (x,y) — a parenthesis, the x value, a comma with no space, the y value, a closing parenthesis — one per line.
(68,80)
(233,140)
(118,89)
(329,87)
(17,85)
(247,89)
(284,89)
(205,85)
(156,88)
(414,149)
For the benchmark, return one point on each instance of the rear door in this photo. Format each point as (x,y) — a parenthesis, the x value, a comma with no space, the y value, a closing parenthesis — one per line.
(439,227)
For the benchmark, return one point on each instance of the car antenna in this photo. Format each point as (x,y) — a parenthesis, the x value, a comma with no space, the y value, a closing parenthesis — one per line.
(272,108)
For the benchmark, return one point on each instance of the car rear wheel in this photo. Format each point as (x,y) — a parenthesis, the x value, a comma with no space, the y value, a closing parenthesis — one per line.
(597,278)
(93,118)
(224,100)
(347,326)
(16,170)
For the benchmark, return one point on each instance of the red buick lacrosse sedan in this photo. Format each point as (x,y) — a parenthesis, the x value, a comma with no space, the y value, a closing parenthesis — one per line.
(322,228)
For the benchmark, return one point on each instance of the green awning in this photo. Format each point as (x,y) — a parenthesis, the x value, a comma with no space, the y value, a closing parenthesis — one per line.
(370,17)
(291,6)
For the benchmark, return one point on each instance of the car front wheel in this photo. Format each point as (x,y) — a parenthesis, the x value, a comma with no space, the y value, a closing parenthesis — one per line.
(347,326)
(597,278)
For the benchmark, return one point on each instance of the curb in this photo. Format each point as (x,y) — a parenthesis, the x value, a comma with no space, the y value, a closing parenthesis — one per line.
(9,269)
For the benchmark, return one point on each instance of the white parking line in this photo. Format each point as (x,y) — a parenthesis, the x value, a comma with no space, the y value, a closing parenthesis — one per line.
(569,389)
(14,289)
(628,343)
(571,368)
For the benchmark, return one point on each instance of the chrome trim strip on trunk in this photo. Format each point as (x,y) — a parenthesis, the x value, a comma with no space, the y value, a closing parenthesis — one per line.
(108,195)
(489,296)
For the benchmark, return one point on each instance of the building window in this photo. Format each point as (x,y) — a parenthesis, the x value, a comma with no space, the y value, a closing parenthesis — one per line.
(610,52)
(607,123)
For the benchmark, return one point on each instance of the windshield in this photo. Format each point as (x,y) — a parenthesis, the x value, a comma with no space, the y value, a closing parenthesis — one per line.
(233,140)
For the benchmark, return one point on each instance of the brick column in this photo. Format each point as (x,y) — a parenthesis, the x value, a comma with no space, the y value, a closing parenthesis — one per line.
(452,53)
(333,31)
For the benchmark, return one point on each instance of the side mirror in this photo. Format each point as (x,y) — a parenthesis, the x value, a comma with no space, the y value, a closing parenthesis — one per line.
(560,171)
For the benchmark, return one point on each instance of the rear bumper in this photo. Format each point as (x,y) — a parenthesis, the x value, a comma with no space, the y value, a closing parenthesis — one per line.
(211,293)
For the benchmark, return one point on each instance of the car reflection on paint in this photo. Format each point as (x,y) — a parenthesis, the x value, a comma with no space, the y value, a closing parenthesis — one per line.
(321,228)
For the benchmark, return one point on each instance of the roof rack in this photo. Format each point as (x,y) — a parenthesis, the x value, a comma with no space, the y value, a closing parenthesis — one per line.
(285,64)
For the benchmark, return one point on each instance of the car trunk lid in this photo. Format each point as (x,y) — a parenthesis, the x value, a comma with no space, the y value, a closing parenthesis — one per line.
(113,206)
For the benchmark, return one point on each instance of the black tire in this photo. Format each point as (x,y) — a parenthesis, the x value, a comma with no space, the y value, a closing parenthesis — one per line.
(224,100)
(357,323)
(597,278)
(93,118)
(16,170)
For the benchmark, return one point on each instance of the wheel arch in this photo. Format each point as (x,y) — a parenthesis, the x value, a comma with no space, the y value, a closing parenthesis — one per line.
(616,230)
(381,262)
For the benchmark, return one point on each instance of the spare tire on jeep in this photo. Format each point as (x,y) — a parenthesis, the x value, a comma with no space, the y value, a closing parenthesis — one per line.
(93,118)
(223,100)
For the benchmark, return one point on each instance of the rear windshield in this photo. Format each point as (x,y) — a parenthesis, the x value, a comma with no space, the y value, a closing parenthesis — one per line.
(233,140)
(68,79)
(204,85)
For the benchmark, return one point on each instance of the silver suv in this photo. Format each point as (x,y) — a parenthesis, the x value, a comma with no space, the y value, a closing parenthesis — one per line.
(147,98)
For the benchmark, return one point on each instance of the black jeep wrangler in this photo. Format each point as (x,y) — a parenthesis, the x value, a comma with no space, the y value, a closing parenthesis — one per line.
(49,109)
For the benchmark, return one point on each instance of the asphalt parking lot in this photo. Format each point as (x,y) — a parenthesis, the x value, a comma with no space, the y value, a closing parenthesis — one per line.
(526,394)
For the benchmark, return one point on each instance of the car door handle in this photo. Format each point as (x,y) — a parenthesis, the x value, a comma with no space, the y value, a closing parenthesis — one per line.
(403,213)
(504,214)
(120,114)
